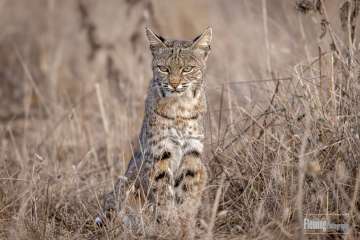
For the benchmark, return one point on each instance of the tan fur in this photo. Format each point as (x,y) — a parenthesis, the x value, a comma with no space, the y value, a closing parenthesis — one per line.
(167,168)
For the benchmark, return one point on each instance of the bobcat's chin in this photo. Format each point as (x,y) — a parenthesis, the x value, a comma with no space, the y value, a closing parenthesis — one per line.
(172,93)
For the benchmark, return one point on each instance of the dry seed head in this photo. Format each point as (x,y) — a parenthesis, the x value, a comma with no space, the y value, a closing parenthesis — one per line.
(286,213)
(313,167)
(341,171)
(277,175)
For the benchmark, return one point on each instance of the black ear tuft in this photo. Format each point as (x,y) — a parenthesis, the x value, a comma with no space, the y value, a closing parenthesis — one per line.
(197,38)
(161,38)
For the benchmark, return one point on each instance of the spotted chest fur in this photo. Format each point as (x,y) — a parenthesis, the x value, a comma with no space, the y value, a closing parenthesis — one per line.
(177,137)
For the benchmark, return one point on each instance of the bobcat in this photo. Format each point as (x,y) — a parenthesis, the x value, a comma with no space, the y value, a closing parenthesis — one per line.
(167,169)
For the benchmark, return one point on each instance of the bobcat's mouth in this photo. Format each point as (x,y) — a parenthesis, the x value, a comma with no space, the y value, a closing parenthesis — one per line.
(179,89)
(168,90)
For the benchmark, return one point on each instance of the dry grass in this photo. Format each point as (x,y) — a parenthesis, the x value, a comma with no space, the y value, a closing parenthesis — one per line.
(282,130)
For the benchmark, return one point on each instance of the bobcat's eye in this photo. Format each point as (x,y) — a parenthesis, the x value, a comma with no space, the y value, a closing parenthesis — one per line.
(163,69)
(187,69)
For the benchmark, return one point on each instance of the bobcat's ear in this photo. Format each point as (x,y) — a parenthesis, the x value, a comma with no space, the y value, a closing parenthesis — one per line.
(203,41)
(155,40)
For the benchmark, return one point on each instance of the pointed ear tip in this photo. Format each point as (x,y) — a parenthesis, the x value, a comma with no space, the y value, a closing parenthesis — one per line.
(208,32)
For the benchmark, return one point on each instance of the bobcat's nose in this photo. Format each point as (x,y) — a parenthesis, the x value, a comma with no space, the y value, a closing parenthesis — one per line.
(174,81)
(174,84)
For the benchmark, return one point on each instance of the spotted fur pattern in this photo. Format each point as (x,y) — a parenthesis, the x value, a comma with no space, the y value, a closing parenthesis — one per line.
(167,166)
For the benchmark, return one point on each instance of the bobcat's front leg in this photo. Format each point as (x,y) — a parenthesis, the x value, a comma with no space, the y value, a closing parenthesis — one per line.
(189,185)
(161,186)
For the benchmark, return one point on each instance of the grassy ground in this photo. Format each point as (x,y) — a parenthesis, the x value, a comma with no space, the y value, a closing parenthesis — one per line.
(282,128)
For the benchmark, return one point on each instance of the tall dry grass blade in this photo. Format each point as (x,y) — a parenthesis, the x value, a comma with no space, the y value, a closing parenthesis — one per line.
(230,106)
(266,35)
(220,114)
(214,210)
(32,82)
(104,117)
(333,89)
(302,171)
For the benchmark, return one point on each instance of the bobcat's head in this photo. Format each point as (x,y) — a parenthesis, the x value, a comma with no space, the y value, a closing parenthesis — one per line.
(178,66)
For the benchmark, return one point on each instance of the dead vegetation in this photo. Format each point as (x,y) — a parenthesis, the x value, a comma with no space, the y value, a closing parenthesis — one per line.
(278,148)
